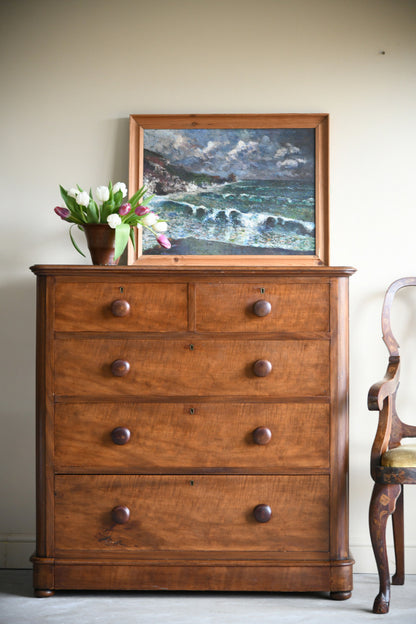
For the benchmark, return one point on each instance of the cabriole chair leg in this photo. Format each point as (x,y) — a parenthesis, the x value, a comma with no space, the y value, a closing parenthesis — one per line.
(382,505)
(398,533)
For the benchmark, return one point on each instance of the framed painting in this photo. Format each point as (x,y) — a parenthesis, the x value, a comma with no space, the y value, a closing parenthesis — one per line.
(234,189)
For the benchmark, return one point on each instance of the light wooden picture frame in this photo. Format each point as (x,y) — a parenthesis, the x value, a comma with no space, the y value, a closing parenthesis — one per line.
(234,189)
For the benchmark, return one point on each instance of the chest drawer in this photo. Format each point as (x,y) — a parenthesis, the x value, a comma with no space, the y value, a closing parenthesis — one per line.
(161,437)
(190,513)
(198,368)
(102,307)
(290,307)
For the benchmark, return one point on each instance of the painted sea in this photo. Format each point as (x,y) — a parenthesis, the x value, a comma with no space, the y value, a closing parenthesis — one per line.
(249,216)
(232,191)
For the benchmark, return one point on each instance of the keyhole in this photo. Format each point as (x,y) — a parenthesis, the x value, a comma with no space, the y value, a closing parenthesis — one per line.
(121,289)
(191,347)
(262,290)
(192,411)
(191,482)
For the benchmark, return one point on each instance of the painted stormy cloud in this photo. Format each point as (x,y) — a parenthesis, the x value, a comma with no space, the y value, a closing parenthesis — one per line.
(247,154)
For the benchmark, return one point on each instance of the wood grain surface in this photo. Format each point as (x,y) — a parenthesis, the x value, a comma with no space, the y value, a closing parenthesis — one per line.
(192,367)
(204,512)
(167,436)
(294,307)
(150,480)
(86,307)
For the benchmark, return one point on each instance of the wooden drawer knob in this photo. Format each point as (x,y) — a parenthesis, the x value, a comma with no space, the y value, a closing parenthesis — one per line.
(262,513)
(120,435)
(262,368)
(120,514)
(120,307)
(262,307)
(120,368)
(262,435)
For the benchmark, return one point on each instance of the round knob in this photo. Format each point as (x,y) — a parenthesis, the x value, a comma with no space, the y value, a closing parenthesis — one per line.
(262,435)
(262,308)
(262,513)
(262,368)
(120,435)
(120,514)
(119,368)
(120,307)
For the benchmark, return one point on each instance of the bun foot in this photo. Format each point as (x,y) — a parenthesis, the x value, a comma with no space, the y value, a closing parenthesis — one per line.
(340,595)
(44,593)
(381,604)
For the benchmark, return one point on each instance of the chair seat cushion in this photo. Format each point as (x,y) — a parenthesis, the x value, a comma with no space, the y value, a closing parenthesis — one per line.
(400,457)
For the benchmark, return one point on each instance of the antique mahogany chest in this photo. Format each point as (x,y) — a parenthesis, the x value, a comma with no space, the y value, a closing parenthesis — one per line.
(192,429)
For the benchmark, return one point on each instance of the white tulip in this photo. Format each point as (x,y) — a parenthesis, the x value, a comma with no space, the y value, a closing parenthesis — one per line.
(160,226)
(83,199)
(73,192)
(149,219)
(113,220)
(102,193)
(120,186)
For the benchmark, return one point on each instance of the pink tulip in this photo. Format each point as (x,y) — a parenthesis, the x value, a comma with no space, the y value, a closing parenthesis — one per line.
(142,210)
(64,213)
(164,241)
(124,209)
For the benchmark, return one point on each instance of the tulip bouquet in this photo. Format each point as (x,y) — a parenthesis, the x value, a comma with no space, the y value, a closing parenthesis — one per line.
(109,208)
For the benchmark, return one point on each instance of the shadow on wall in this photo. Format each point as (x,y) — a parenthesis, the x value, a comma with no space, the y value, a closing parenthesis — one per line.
(17,415)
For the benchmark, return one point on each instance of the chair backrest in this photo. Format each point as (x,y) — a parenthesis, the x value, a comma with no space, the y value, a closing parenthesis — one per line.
(382,395)
(388,337)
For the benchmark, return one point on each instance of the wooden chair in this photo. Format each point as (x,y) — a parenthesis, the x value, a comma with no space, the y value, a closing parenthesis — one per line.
(392,465)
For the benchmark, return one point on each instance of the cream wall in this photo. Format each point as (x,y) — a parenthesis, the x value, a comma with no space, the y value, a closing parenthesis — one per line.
(72,71)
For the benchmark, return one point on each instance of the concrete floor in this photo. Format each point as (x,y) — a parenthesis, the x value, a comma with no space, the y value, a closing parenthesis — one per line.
(18,606)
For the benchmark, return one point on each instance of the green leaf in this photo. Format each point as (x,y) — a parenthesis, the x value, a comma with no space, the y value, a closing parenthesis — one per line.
(122,238)
(76,210)
(69,201)
(107,209)
(118,199)
(132,238)
(147,200)
(92,212)
(137,196)
(110,188)
(74,243)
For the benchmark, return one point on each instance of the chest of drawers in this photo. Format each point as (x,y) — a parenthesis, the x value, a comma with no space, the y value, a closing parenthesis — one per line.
(192,429)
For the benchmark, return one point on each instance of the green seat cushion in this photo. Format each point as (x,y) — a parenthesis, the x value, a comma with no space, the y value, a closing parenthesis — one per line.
(400,457)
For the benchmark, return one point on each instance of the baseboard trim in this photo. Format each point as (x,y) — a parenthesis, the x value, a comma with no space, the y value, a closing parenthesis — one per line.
(366,564)
(16,550)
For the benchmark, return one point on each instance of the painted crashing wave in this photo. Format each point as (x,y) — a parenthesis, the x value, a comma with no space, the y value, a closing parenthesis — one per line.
(266,214)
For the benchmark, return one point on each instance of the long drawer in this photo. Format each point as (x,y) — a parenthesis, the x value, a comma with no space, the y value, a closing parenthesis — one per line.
(175,436)
(190,513)
(86,367)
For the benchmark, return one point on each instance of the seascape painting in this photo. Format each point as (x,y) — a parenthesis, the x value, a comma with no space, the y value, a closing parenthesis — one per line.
(232,191)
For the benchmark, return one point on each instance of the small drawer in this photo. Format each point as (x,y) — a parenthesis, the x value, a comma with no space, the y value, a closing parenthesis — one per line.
(123,438)
(162,368)
(155,513)
(125,307)
(291,307)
